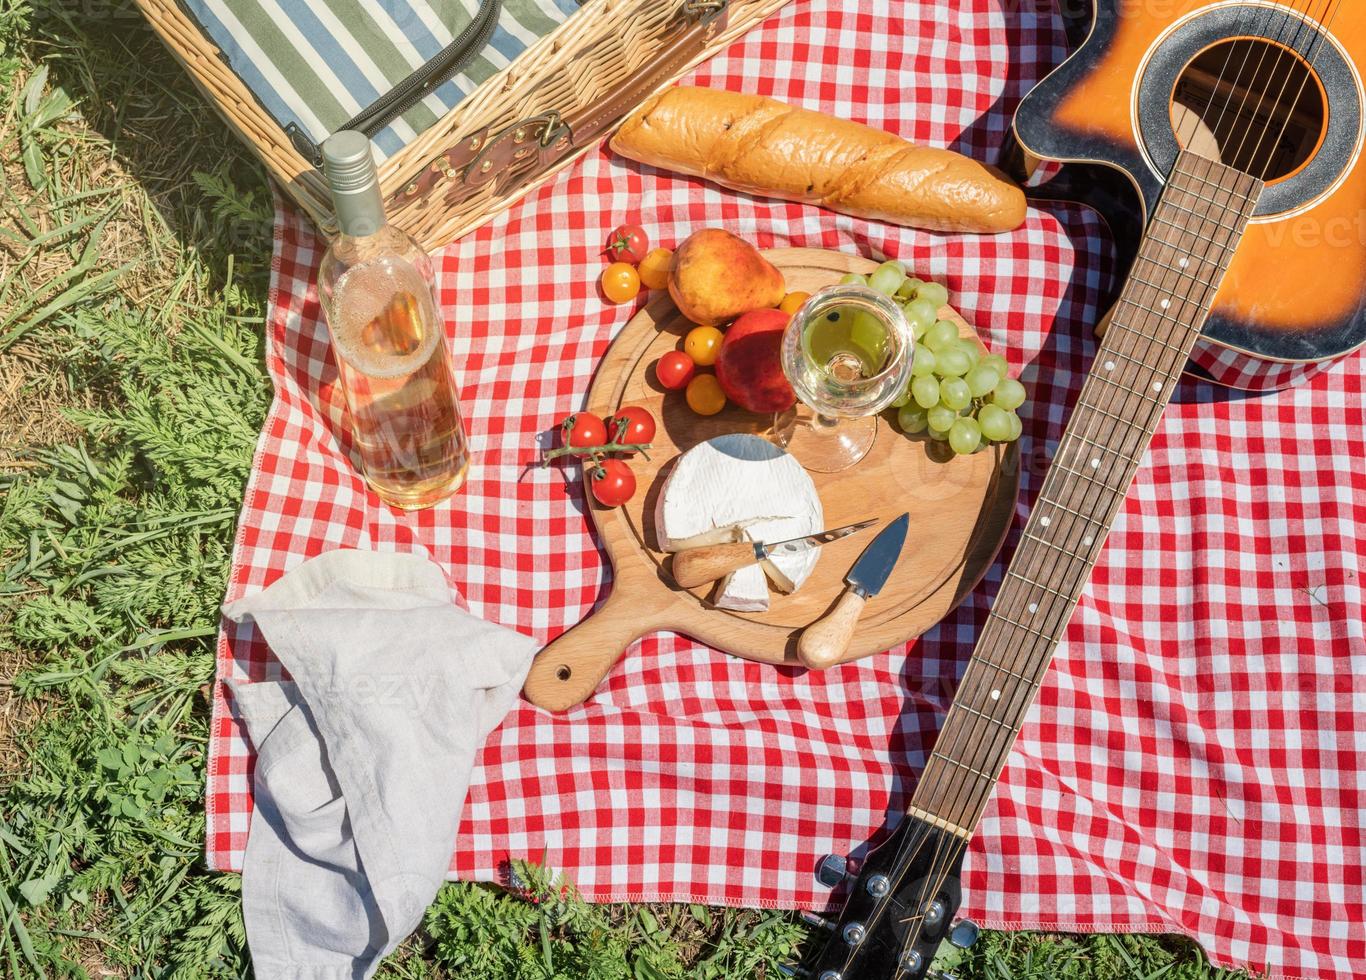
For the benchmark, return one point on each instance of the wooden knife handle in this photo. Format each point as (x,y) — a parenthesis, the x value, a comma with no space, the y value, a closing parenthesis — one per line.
(698,566)
(825,642)
(569,668)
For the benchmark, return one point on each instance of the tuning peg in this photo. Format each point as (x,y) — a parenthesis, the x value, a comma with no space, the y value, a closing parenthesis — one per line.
(964,933)
(833,870)
(793,970)
(819,921)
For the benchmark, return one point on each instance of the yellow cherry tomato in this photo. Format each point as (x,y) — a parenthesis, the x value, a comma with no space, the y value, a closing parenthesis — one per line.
(654,268)
(620,282)
(703,344)
(704,395)
(792,302)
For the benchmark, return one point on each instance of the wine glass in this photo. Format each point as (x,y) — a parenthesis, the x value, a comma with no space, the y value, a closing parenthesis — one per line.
(847,353)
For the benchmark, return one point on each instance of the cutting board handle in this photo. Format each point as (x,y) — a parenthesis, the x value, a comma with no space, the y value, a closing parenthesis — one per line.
(569,669)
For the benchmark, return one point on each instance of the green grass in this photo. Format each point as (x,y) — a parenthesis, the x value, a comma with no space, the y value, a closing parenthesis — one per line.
(134,250)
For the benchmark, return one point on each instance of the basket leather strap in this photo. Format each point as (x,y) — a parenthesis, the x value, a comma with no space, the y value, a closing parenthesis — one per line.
(520,153)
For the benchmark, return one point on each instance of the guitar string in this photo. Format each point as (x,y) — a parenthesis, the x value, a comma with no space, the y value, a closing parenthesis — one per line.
(1068,550)
(1321,40)
(917,844)
(1285,50)
(934,776)
(1089,510)
(942,860)
(939,873)
(1253,31)
(1147,332)
(1264,34)
(1154,409)
(934,790)
(1209,104)
(983,794)
(1122,461)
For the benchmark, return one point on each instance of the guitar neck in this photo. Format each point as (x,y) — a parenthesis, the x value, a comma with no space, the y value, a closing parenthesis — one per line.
(1190,239)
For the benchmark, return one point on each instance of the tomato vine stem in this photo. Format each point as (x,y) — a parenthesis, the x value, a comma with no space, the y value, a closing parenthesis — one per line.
(594,452)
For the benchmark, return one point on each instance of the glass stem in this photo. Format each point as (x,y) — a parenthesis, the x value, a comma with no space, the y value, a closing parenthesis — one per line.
(784,424)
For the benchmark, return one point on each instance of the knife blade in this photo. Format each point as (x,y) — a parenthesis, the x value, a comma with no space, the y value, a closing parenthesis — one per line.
(873,567)
(698,566)
(825,642)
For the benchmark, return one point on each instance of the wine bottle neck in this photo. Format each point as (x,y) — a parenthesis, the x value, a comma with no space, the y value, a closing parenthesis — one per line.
(359,213)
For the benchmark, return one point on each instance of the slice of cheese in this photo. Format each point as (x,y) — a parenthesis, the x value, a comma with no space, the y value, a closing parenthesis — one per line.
(741,487)
(743,590)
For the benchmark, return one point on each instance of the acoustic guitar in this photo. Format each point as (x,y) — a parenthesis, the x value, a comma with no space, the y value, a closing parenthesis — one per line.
(1239,126)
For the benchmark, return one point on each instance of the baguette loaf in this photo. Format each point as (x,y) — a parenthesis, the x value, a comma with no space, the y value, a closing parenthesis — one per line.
(761,146)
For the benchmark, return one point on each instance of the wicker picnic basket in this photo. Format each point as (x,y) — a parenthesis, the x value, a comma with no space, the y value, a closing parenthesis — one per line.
(516,128)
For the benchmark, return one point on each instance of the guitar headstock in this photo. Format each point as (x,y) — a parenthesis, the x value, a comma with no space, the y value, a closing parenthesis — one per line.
(900,908)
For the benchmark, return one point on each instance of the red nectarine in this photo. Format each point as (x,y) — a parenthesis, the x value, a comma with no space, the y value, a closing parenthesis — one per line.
(750,366)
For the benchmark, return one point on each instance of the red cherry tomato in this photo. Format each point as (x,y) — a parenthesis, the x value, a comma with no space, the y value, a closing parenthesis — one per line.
(612,481)
(632,425)
(628,244)
(583,431)
(674,369)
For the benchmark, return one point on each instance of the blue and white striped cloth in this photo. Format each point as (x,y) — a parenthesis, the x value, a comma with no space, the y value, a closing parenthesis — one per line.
(316,63)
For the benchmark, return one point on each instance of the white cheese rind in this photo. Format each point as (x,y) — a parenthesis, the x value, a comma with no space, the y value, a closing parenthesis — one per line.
(741,486)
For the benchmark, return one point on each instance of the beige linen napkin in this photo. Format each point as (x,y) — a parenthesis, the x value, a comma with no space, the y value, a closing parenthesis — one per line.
(364,757)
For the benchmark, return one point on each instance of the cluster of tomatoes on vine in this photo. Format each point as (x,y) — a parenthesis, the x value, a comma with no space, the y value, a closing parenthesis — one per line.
(603,446)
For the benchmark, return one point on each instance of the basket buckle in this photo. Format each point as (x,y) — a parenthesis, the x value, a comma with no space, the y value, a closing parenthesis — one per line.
(699,8)
(553,123)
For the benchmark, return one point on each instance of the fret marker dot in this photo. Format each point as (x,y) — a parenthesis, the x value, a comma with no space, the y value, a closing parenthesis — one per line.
(1109,365)
(995,695)
(1045,520)
(1095,464)
(1166,303)
(1184,263)
(1033,607)
(1088,541)
(1157,386)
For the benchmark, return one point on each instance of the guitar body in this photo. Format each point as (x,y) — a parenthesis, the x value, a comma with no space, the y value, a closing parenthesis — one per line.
(1151,78)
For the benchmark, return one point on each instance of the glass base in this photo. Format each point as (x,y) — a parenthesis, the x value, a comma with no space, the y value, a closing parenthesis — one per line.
(824,445)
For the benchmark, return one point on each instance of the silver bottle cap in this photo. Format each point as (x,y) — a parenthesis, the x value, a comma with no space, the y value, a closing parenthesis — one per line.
(349,166)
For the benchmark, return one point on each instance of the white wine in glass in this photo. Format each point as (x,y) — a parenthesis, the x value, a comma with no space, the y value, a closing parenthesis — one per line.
(847,353)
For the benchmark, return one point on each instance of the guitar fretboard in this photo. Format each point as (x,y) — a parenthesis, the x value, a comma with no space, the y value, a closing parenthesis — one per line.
(1193,233)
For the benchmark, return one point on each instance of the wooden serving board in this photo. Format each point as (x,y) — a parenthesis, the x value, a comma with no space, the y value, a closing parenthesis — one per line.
(960,508)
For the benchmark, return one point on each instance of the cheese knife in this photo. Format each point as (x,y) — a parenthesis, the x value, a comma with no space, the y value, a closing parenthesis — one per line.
(825,642)
(698,566)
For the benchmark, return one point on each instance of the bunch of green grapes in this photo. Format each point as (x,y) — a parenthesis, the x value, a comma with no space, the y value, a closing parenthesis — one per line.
(956,394)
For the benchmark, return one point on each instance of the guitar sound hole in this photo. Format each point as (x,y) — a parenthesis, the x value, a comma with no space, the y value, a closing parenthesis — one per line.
(1252,104)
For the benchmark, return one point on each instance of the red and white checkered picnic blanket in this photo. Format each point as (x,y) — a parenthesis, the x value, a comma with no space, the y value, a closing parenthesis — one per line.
(1195,760)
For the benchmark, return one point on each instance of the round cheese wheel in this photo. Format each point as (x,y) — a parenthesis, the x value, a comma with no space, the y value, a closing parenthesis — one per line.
(741,487)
